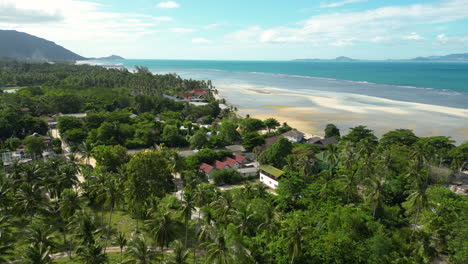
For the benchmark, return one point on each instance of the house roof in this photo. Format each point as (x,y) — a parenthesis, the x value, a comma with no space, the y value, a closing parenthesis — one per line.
(198,91)
(294,134)
(271,170)
(206,168)
(236,148)
(229,161)
(327,141)
(314,140)
(239,158)
(220,165)
(271,140)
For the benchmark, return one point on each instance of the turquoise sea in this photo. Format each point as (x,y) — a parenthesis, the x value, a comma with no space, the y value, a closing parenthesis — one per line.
(428,97)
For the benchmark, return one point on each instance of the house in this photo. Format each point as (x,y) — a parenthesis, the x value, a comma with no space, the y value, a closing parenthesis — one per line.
(248,172)
(295,136)
(207,169)
(270,175)
(236,148)
(240,159)
(323,143)
(313,140)
(237,163)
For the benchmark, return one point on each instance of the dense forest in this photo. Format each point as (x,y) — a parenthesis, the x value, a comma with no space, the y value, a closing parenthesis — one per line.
(116,190)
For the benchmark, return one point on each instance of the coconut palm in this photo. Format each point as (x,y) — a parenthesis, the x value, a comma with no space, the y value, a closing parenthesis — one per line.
(180,254)
(122,242)
(186,210)
(91,254)
(294,240)
(85,228)
(6,240)
(218,252)
(29,198)
(139,252)
(163,230)
(37,254)
(113,195)
(40,234)
(86,151)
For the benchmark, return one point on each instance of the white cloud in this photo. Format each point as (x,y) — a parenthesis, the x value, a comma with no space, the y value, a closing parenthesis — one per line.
(413,36)
(444,39)
(83,26)
(337,28)
(379,39)
(200,40)
(181,30)
(211,26)
(163,18)
(343,43)
(168,4)
(336,4)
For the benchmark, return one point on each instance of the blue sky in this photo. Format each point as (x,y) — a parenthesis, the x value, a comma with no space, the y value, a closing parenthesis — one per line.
(245,30)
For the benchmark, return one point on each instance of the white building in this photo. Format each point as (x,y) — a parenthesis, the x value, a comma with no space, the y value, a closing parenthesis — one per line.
(295,136)
(270,176)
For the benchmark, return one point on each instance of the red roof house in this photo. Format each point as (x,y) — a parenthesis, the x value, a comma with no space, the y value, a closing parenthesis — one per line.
(240,159)
(206,168)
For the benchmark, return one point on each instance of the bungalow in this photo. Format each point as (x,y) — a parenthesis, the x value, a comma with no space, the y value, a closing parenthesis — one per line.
(207,169)
(295,136)
(270,175)
(248,172)
(323,143)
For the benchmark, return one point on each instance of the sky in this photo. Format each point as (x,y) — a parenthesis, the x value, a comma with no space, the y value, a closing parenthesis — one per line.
(245,29)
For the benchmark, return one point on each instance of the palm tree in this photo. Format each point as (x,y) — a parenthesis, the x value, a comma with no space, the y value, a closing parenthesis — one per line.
(163,230)
(180,254)
(112,197)
(29,198)
(85,228)
(6,240)
(186,211)
(375,196)
(40,234)
(417,201)
(293,241)
(37,254)
(91,254)
(218,252)
(86,150)
(139,252)
(122,242)
(224,206)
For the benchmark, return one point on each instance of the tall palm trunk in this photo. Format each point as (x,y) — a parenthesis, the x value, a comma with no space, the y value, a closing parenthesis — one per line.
(109,227)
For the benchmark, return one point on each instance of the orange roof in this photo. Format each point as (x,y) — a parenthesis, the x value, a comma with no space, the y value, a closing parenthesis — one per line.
(206,168)
(239,158)
(220,165)
(230,161)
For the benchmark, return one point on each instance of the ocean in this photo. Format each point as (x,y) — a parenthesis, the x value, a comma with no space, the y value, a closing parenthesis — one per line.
(430,98)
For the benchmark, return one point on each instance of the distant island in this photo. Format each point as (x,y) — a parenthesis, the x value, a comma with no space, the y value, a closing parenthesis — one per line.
(20,45)
(451,57)
(447,58)
(340,58)
(111,57)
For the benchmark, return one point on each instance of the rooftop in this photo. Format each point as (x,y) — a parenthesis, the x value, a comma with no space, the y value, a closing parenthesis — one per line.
(294,134)
(271,170)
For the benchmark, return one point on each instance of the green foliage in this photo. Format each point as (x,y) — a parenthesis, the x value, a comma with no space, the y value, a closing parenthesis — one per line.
(271,124)
(404,137)
(359,133)
(110,157)
(459,155)
(12,143)
(228,132)
(199,139)
(251,125)
(34,145)
(276,154)
(332,131)
(227,177)
(65,123)
(251,140)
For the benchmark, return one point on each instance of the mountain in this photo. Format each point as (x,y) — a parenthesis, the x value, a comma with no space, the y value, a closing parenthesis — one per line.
(111,57)
(340,58)
(19,45)
(450,57)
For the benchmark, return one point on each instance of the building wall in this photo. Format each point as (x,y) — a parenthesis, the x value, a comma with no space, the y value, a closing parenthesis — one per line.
(268,181)
(293,139)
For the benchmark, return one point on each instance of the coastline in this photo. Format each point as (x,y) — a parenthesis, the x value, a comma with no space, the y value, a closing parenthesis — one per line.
(310,103)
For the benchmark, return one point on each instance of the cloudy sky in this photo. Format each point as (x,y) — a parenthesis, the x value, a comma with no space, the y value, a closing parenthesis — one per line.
(245,29)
